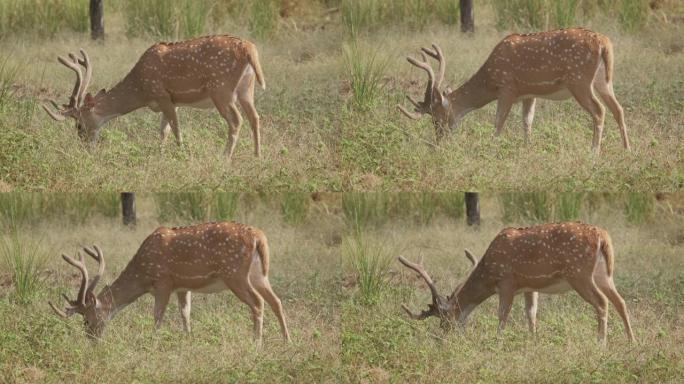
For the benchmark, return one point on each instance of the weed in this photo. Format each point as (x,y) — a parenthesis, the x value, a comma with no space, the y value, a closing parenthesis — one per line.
(639,207)
(370,264)
(263,18)
(365,69)
(295,207)
(25,260)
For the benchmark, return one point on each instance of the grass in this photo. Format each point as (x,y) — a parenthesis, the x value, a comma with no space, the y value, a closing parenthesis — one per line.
(369,263)
(37,346)
(24,259)
(313,140)
(342,294)
(42,18)
(380,344)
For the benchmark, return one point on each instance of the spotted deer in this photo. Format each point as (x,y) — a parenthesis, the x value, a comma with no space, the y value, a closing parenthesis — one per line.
(548,258)
(552,65)
(205,258)
(206,72)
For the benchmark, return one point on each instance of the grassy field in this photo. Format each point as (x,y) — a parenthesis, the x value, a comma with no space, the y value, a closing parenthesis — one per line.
(337,274)
(37,346)
(380,344)
(326,129)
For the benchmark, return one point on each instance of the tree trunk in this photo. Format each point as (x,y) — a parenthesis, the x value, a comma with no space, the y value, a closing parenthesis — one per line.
(128,208)
(97,19)
(472,201)
(467,17)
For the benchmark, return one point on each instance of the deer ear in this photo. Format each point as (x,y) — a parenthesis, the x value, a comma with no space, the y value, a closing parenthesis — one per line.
(89,100)
(471,257)
(91,299)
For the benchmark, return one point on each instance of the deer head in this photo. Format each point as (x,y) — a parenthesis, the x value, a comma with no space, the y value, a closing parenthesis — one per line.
(80,106)
(443,307)
(86,303)
(435,102)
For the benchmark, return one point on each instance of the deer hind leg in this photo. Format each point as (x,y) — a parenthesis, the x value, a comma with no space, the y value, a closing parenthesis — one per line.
(169,115)
(607,287)
(248,295)
(262,285)
(184,304)
(605,90)
(528,106)
(232,116)
(585,97)
(503,107)
(164,128)
(588,290)
(531,299)
(246,99)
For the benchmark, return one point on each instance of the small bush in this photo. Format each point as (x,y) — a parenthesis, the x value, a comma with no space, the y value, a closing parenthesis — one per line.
(568,206)
(18,209)
(633,14)
(362,210)
(365,70)
(224,206)
(370,265)
(25,260)
(174,206)
(525,207)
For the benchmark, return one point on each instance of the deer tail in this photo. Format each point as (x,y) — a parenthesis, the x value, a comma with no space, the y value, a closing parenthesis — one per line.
(262,249)
(607,56)
(253,58)
(607,251)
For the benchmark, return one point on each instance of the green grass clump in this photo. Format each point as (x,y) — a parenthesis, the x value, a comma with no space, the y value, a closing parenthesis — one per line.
(8,74)
(42,18)
(25,260)
(295,207)
(192,206)
(263,18)
(639,207)
(633,14)
(18,209)
(365,69)
(369,262)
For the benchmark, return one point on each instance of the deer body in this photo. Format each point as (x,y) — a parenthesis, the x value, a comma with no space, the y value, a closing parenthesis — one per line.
(554,65)
(550,258)
(207,72)
(205,258)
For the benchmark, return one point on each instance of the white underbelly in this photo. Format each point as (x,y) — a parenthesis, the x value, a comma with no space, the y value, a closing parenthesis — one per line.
(201,104)
(562,94)
(213,287)
(559,287)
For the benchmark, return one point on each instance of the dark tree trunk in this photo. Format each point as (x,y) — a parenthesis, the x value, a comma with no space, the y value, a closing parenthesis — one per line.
(467,16)
(472,201)
(128,208)
(97,19)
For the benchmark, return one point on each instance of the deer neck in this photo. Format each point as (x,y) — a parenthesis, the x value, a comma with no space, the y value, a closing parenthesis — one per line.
(474,291)
(120,100)
(123,291)
(474,93)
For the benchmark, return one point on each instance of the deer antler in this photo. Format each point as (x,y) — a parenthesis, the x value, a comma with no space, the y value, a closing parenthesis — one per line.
(99,257)
(74,63)
(437,301)
(439,56)
(80,265)
(431,77)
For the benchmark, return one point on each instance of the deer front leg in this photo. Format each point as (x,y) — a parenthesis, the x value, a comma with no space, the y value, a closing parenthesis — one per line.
(531,299)
(506,295)
(528,106)
(503,107)
(161,300)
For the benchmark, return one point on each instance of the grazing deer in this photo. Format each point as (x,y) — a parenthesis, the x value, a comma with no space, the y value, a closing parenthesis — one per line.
(212,71)
(549,258)
(552,65)
(205,258)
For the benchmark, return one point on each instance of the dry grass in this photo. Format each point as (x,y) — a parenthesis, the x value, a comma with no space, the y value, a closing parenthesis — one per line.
(304,270)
